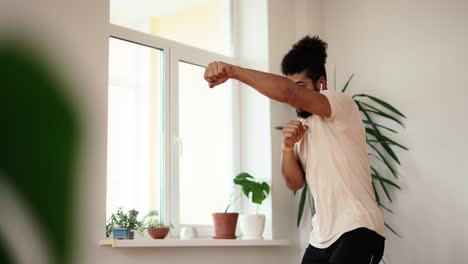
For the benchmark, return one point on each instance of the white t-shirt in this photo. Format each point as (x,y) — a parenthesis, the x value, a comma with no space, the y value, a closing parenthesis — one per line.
(335,160)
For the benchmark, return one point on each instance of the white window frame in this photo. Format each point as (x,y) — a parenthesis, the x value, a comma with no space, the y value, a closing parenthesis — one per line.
(173,52)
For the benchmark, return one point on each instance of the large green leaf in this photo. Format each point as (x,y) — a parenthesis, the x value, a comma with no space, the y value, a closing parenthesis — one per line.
(300,211)
(375,175)
(386,142)
(383,187)
(311,206)
(385,180)
(373,155)
(384,207)
(39,138)
(380,112)
(377,112)
(383,139)
(265,187)
(5,253)
(377,197)
(382,103)
(386,147)
(384,160)
(365,121)
(259,191)
(347,83)
(393,231)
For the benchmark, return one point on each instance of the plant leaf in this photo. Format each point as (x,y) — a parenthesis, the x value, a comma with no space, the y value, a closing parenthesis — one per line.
(365,121)
(384,160)
(384,207)
(393,231)
(383,187)
(300,211)
(382,103)
(310,202)
(387,181)
(377,198)
(388,143)
(371,107)
(373,155)
(259,190)
(383,181)
(383,139)
(378,112)
(265,188)
(385,146)
(347,83)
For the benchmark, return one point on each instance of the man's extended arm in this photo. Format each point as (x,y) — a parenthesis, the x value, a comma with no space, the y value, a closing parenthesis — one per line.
(273,86)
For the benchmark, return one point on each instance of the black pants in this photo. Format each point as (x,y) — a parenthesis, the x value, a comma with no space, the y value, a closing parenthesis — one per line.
(358,246)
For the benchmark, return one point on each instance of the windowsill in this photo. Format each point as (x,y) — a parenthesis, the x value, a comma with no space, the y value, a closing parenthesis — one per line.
(200,242)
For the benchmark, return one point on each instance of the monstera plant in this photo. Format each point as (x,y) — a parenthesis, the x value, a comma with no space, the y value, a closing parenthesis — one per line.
(252,226)
(384,160)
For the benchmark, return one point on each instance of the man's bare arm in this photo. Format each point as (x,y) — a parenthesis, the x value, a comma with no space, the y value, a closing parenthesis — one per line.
(273,86)
(291,169)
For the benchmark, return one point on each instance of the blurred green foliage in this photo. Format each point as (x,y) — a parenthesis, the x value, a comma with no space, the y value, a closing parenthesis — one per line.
(38,140)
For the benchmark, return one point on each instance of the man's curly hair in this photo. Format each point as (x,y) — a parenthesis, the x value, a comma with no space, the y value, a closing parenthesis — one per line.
(310,54)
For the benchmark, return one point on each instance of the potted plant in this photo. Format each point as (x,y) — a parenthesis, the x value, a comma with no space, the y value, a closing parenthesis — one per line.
(252,225)
(156,229)
(123,225)
(225,223)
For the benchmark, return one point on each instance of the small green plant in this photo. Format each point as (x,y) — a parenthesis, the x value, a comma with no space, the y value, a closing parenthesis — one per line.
(260,191)
(153,222)
(123,220)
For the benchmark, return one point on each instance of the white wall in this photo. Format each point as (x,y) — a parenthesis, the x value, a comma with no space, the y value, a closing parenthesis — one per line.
(75,34)
(411,53)
(72,35)
(282,35)
(251,50)
(415,55)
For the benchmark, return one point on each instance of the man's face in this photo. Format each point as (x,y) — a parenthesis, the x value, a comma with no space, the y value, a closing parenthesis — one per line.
(301,79)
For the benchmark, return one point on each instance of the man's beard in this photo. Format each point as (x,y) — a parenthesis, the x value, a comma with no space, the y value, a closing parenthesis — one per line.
(302,114)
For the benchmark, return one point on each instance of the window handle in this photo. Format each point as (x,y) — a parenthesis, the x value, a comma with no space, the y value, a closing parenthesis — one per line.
(178,142)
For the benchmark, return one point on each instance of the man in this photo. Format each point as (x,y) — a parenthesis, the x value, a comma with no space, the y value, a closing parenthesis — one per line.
(327,149)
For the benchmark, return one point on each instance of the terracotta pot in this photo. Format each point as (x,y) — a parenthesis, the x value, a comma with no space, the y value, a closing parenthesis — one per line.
(158,233)
(225,225)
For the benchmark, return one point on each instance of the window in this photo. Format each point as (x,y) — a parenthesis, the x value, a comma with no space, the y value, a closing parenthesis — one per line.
(164,122)
(203,24)
(205,157)
(135,121)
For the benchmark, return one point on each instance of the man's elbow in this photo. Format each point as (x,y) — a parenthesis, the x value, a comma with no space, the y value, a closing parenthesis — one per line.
(295,186)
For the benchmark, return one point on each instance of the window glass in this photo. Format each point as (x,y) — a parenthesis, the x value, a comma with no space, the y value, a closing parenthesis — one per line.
(134,127)
(205,154)
(203,24)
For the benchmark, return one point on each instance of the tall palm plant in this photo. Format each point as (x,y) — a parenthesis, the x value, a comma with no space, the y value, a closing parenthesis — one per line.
(380,148)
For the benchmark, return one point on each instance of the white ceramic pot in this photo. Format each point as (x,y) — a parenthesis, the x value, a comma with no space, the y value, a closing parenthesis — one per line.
(188,232)
(252,226)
